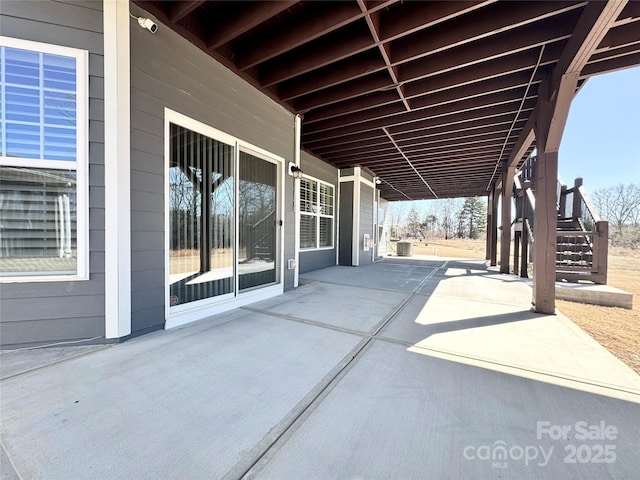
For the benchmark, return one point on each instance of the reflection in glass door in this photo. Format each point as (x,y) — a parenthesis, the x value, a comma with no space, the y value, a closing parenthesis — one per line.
(201,217)
(257,223)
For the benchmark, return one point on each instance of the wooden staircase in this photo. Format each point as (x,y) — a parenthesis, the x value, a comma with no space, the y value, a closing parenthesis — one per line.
(582,238)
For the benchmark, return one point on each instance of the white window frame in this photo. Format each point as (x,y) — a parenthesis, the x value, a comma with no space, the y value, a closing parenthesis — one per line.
(317,216)
(182,314)
(81,165)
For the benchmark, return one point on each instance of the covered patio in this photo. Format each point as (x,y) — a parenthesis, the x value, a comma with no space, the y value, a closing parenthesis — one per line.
(406,368)
(434,99)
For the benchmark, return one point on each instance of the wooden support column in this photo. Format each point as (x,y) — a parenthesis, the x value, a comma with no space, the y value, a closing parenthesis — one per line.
(545,219)
(505,239)
(489,226)
(524,257)
(493,254)
(547,122)
(517,235)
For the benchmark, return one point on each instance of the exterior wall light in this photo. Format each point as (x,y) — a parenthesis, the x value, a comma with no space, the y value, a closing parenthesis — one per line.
(295,171)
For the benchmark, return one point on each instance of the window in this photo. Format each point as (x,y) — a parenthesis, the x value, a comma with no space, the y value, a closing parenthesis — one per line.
(43,156)
(316,214)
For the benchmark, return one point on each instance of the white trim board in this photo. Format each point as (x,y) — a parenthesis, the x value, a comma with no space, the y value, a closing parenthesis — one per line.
(193,311)
(80,165)
(204,311)
(117,154)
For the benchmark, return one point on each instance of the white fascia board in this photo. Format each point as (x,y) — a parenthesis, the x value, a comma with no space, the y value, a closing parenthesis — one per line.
(117,153)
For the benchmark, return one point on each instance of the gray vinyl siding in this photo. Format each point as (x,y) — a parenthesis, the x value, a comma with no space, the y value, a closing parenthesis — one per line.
(366,222)
(316,259)
(46,312)
(345,220)
(168,71)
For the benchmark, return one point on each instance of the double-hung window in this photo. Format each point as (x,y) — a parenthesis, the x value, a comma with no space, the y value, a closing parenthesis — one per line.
(316,214)
(43,162)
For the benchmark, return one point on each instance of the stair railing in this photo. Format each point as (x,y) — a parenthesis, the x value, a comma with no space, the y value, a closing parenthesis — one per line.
(523,234)
(583,249)
(595,231)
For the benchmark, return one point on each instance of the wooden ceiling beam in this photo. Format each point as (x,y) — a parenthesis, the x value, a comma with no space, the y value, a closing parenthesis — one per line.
(298,32)
(495,19)
(360,75)
(251,15)
(440,137)
(611,65)
(470,127)
(421,150)
(485,87)
(485,154)
(178,10)
(594,23)
(353,123)
(483,61)
(488,116)
(374,150)
(416,16)
(344,44)
(500,49)
(375,99)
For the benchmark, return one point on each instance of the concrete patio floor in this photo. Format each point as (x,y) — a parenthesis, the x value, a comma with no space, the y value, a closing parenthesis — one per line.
(405,369)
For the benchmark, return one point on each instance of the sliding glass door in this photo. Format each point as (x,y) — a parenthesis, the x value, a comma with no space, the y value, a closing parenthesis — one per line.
(223,217)
(257,223)
(201,217)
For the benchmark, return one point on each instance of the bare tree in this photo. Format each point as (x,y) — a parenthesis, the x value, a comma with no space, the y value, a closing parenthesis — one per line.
(414,225)
(619,204)
(397,214)
(448,213)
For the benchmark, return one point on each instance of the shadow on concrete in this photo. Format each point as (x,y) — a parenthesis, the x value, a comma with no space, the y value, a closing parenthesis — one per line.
(394,370)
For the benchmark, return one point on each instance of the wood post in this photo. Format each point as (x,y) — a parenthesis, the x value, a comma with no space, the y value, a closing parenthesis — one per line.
(545,226)
(601,250)
(562,201)
(576,212)
(525,235)
(505,239)
(545,218)
(516,252)
(493,257)
(489,224)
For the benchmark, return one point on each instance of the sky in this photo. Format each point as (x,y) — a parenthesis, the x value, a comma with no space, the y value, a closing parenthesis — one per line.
(601,140)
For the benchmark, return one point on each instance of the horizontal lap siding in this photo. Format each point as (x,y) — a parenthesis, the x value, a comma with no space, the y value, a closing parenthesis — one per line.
(314,260)
(167,71)
(54,311)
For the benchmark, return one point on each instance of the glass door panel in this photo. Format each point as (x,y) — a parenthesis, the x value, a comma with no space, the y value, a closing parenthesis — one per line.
(201,221)
(257,222)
